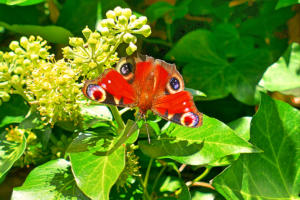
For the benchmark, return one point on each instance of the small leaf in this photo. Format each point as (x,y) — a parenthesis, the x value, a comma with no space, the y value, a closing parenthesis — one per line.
(285,3)
(284,75)
(52,180)
(50,33)
(11,120)
(273,174)
(197,146)
(10,152)
(94,165)
(21,2)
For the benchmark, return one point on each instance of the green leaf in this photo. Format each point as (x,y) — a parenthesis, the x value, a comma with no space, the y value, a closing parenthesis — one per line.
(185,193)
(241,127)
(51,33)
(285,3)
(197,146)
(11,120)
(284,74)
(10,152)
(52,180)
(21,2)
(76,15)
(94,115)
(218,77)
(94,165)
(275,173)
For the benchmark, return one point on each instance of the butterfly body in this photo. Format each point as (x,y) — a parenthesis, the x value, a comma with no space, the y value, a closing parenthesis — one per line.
(149,84)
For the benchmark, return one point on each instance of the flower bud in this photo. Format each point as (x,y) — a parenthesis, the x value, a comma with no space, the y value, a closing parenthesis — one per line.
(123,20)
(13,45)
(126,12)
(95,35)
(118,11)
(18,70)
(110,14)
(24,42)
(105,47)
(129,38)
(86,32)
(131,48)
(5,96)
(145,30)
(15,79)
(104,30)
(19,51)
(26,62)
(132,18)
(92,65)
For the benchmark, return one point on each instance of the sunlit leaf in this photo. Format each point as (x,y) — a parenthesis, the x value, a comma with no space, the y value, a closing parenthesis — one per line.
(273,174)
(10,152)
(197,146)
(52,180)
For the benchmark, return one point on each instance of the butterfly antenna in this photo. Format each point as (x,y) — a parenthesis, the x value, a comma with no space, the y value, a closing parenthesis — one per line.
(148,133)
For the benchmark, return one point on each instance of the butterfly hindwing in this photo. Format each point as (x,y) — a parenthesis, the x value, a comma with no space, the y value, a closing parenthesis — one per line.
(179,108)
(110,88)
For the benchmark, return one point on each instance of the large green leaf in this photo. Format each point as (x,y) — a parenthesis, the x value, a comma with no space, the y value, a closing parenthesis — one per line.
(208,70)
(52,180)
(241,127)
(10,152)
(197,146)
(51,33)
(76,15)
(275,173)
(285,3)
(21,2)
(284,74)
(94,165)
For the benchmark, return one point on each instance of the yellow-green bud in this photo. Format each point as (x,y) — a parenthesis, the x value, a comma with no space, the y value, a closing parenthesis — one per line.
(123,20)
(11,55)
(3,68)
(86,32)
(19,51)
(105,47)
(145,30)
(13,45)
(26,62)
(95,35)
(129,38)
(5,96)
(31,38)
(78,60)
(118,11)
(92,42)
(110,14)
(15,79)
(126,12)
(43,53)
(131,48)
(34,57)
(18,70)
(104,30)
(92,65)
(132,18)
(68,52)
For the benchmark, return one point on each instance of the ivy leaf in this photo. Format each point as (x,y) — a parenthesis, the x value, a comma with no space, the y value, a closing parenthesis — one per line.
(94,165)
(10,152)
(55,34)
(21,2)
(285,3)
(52,180)
(77,14)
(284,75)
(219,77)
(273,174)
(197,146)
(241,127)
(94,114)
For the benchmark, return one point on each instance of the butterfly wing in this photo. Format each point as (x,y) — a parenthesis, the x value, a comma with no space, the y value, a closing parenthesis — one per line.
(110,88)
(171,102)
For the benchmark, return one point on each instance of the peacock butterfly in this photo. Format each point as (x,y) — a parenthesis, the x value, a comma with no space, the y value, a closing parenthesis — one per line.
(149,84)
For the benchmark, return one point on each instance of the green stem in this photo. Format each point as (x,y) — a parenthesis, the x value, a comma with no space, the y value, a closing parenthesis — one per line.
(114,110)
(157,179)
(53,139)
(146,195)
(148,173)
(206,171)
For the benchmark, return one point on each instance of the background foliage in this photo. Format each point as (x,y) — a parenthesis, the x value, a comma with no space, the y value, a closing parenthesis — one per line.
(243,54)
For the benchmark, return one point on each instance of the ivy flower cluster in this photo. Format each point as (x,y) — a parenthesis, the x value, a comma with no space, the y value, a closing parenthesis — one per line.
(91,56)
(54,87)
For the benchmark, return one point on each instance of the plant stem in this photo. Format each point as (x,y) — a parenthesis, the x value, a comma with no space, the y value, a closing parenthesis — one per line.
(146,195)
(156,179)
(114,110)
(206,171)
(148,173)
